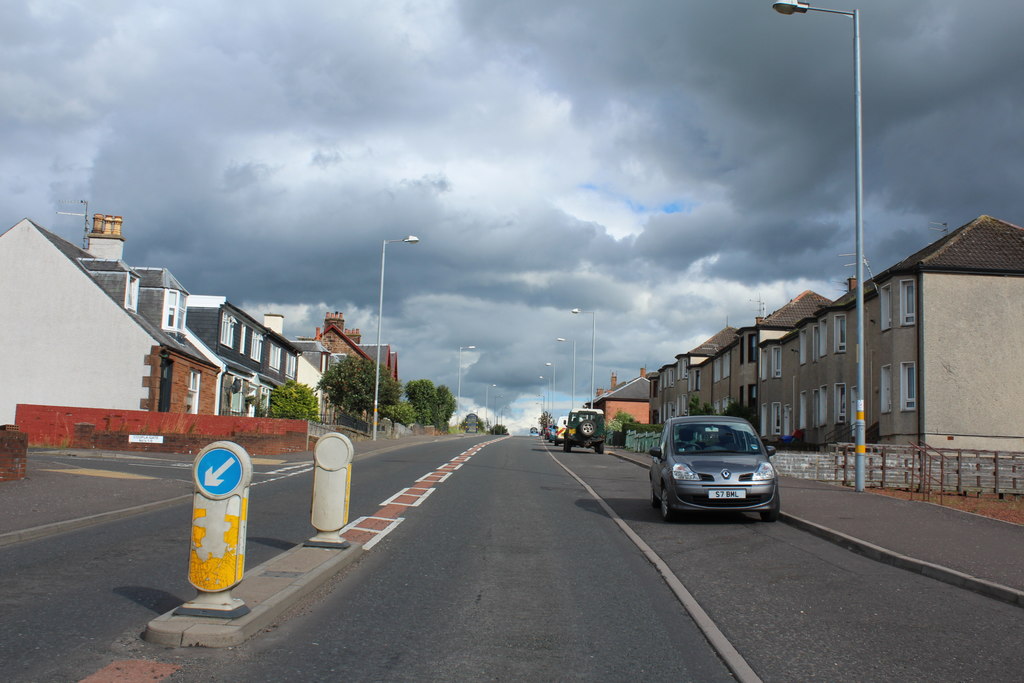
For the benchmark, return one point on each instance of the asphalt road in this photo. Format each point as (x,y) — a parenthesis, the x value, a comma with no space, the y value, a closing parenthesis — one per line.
(509,571)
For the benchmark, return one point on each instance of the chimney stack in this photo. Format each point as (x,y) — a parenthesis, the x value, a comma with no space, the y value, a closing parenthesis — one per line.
(851,284)
(275,322)
(643,373)
(105,240)
(615,382)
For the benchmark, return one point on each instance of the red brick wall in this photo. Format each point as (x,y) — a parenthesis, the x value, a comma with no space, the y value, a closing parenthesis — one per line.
(179,383)
(13,453)
(71,427)
(640,410)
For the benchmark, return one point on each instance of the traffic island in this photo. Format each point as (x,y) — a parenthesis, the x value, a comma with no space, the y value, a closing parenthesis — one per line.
(269,590)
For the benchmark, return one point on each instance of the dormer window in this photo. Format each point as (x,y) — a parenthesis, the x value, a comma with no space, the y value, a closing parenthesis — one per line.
(227,330)
(131,293)
(174,310)
(256,348)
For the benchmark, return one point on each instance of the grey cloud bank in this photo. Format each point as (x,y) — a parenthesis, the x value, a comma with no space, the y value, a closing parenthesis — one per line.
(665,164)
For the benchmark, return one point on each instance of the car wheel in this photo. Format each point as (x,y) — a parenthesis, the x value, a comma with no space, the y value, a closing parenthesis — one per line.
(772,513)
(599,447)
(587,428)
(667,513)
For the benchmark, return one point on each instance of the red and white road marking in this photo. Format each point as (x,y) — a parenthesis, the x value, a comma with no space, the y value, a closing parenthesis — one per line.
(371,529)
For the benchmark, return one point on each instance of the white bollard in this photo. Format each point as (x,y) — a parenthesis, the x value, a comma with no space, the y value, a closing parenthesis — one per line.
(221,474)
(331,485)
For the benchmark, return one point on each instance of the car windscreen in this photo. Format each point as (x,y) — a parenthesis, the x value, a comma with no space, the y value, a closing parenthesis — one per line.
(711,437)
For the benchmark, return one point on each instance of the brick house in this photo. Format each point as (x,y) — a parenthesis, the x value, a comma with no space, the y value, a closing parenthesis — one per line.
(632,397)
(131,350)
(341,342)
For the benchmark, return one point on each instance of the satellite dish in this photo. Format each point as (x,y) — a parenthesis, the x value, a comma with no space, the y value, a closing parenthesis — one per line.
(236,386)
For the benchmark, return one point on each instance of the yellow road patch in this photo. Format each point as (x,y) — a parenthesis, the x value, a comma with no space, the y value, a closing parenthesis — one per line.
(101,473)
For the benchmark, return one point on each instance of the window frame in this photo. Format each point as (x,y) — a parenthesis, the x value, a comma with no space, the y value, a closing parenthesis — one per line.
(908,386)
(885,389)
(908,302)
(839,333)
(227,330)
(840,402)
(885,307)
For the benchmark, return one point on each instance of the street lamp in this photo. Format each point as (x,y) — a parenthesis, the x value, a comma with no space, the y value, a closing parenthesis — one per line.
(572,389)
(458,401)
(795,6)
(487,401)
(411,239)
(552,401)
(593,343)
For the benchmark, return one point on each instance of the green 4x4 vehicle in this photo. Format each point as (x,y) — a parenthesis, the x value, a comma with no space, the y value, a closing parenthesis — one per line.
(585,429)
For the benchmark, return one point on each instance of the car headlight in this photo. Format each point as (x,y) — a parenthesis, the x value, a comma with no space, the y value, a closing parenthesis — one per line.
(682,472)
(764,472)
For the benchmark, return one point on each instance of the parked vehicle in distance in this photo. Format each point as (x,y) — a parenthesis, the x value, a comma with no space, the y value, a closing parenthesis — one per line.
(550,433)
(585,429)
(713,463)
(560,426)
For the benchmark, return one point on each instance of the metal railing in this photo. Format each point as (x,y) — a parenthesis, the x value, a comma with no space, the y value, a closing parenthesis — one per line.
(641,442)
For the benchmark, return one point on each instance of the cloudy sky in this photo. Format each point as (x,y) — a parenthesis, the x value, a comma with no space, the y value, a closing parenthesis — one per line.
(670,165)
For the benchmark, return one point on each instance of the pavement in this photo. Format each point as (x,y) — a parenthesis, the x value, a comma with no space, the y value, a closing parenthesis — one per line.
(966,550)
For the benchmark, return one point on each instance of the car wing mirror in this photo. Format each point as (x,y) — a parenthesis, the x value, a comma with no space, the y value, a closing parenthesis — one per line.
(656,452)
(770,450)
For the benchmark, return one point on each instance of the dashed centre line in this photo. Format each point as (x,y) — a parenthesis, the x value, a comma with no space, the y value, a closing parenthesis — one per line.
(371,529)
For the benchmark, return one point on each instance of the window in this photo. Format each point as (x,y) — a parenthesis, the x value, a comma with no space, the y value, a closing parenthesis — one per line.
(885,389)
(727,364)
(840,403)
(275,357)
(765,365)
(695,379)
(192,398)
(822,339)
(174,309)
(131,293)
(802,414)
(803,346)
(908,386)
(241,338)
(764,419)
(752,348)
(289,369)
(777,361)
(776,418)
(787,419)
(908,302)
(815,342)
(839,333)
(256,347)
(815,408)
(227,330)
(885,307)
(716,370)
(822,406)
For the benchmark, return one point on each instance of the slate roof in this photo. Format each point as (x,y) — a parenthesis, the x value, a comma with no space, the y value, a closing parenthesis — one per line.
(804,305)
(986,244)
(90,265)
(636,389)
(719,341)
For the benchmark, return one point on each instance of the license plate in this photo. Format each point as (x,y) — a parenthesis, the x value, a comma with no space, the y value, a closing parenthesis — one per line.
(720,494)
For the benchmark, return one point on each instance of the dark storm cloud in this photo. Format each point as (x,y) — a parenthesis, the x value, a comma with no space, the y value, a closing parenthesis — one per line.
(265,155)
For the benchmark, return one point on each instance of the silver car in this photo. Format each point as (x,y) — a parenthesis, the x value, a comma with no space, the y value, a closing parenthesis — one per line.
(713,463)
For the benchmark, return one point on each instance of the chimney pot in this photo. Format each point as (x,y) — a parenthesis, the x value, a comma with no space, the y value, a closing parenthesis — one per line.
(851,284)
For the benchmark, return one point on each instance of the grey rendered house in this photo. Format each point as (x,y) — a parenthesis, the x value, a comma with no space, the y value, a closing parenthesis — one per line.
(125,346)
(941,363)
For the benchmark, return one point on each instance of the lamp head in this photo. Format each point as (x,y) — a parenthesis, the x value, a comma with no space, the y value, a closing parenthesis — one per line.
(561,339)
(411,239)
(575,311)
(790,6)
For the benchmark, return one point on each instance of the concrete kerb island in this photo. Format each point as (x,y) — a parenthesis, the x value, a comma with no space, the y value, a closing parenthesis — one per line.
(269,590)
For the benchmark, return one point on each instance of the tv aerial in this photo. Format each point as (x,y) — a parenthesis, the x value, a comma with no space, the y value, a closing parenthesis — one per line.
(84,215)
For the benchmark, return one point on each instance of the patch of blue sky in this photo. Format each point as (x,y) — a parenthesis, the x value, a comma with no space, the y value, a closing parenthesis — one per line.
(676,206)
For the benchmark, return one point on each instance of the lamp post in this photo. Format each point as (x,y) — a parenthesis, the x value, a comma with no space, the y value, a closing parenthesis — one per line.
(487,400)
(552,401)
(458,400)
(411,239)
(593,346)
(796,6)
(572,389)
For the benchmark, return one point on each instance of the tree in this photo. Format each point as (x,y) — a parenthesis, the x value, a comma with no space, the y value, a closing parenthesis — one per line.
(423,397)
(698,408)
(746,412)
(401,412)
(499,429)
(294,401)
(349,386)
(444,408)
(619,422)
(545,420)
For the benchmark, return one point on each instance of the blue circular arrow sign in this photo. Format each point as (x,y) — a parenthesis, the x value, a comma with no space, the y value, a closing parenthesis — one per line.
(218,472)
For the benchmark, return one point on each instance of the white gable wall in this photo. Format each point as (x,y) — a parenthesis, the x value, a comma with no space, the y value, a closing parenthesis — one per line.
(63,341)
